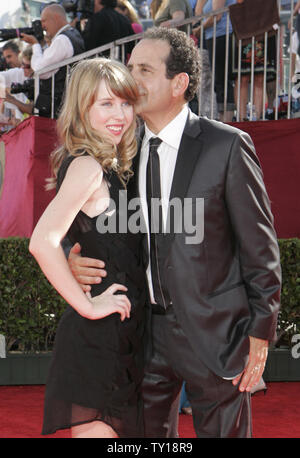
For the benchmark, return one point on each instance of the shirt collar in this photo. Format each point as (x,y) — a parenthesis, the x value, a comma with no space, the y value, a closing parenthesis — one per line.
(67,26)
(171,134)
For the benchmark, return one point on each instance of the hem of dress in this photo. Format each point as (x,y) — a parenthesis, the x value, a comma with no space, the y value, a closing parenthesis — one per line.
(59,428)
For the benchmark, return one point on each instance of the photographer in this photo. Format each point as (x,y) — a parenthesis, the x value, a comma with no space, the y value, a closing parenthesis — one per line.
(65,43)
(21,103)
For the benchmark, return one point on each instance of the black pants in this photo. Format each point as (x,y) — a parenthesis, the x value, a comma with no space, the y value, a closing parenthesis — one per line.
(219,408)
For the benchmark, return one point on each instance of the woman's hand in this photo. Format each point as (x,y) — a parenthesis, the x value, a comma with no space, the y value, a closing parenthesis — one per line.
(8,97)
(196,31)
(108,302)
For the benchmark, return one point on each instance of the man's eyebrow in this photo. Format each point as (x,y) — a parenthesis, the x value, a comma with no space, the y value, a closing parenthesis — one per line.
(142,65)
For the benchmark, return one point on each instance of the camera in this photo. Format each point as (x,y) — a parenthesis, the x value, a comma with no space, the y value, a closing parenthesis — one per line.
(27,88)
(84,7)
(36,30)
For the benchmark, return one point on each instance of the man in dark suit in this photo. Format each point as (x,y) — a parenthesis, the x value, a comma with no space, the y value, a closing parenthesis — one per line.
(106,25)
(214,298)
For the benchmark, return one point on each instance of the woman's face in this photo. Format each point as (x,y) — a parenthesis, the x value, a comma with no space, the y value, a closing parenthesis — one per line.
(110,115)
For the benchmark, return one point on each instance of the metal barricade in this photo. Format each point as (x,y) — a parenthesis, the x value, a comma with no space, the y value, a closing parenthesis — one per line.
(282,84)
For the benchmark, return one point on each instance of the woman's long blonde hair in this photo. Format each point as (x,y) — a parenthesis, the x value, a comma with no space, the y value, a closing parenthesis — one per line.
(126,7)
(158,7)
(76,135)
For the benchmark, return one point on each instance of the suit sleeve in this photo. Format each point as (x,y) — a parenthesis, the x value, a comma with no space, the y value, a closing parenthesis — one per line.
(252,221)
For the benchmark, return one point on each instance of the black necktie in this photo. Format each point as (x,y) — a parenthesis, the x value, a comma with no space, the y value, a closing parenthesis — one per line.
(155,215)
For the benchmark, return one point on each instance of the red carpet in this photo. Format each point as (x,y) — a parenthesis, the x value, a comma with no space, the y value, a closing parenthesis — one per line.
(276,415)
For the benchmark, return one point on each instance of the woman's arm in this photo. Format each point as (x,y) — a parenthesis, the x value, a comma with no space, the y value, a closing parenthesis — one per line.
(209,22)
(199,7)
(296,8)
(176,16)
(295,12)
(82,179)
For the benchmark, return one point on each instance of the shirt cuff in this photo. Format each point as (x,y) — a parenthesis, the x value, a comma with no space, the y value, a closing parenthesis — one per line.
(37,47)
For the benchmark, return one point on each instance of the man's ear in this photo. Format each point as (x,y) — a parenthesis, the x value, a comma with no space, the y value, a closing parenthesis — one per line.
(180,84)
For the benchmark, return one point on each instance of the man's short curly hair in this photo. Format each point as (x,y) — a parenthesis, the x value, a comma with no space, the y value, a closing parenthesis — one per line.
(183,57)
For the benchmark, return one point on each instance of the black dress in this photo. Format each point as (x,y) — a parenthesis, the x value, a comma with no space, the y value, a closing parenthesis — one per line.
(97,365)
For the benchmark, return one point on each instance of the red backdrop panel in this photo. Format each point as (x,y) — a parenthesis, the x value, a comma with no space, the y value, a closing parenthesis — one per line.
(23,197)
(27,150)
(277,145)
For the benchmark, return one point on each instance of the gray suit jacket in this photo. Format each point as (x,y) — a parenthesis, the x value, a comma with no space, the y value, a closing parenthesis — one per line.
(226,287)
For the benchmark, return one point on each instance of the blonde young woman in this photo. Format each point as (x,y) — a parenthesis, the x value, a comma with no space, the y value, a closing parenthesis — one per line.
(93,382)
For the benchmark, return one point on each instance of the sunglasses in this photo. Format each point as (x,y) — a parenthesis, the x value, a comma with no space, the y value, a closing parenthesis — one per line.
(25,65)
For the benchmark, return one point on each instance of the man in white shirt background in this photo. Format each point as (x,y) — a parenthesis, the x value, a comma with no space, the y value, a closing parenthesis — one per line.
(65,43)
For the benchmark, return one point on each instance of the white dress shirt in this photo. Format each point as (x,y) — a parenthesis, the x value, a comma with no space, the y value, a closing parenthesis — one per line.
(60,48)
(167,151)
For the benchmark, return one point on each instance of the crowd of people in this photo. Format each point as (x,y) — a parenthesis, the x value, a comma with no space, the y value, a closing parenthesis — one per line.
(100,414)
(147,310)
(118,19)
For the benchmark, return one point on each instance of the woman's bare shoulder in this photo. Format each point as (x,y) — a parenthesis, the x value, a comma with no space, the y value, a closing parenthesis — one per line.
(85,168)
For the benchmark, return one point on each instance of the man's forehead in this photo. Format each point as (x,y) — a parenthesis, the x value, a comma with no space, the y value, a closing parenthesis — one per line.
(156,49)
(151,43)
(46,13)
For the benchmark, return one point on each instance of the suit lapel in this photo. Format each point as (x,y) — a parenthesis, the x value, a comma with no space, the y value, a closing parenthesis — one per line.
(188,154)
